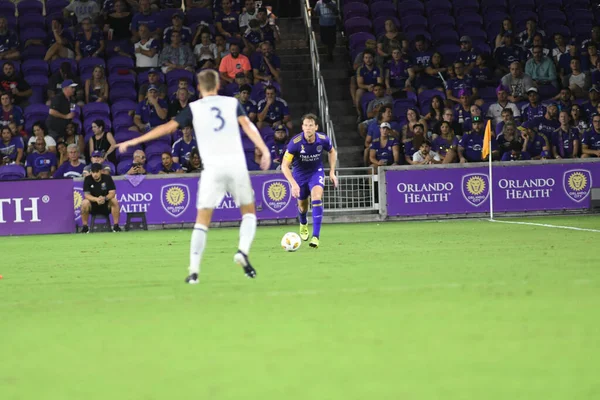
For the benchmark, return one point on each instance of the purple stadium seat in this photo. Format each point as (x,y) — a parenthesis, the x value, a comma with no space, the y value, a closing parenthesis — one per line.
(38,85)
(166,15)
(16,64)
(482,47)
(34,67)
(446,37)
(379,24)
(127,154)
(410,7)
(27,7)
(469,19)
(124,135)
(357,24)
(413,33)
(355,10)
(122,107)
(142,77)
(7,8)
(87,64)
(119,63)
(55,65)
(562,29)
(32,34)
(92,110)
(36,112)
(448,51)
(359,39)
(438,7)
(413,22)
(122,94)
(34,52)
(364,101)
(442,21)
(493,8)
(426,95)
(472,31)
(488,94)
(116,81)
(122,122)
(12,173)
(461,8)
(11,21)
(30,21)
(156,148)
(382,9)
(154,164)
(175,75)
(55,6)
(359,1)
(198,14)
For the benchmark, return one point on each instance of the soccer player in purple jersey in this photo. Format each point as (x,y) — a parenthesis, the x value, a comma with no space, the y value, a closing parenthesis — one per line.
(307,178)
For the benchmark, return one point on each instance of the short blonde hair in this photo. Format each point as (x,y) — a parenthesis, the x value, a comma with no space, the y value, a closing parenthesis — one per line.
(208,80)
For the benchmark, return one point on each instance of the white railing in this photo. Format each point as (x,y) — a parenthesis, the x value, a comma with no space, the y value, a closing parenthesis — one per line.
(356,190)
(316,74)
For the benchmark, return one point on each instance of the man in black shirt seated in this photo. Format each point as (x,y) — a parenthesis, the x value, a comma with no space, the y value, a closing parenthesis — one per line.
(100,198)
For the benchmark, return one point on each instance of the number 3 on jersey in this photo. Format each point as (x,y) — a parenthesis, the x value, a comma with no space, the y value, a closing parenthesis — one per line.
(218,116)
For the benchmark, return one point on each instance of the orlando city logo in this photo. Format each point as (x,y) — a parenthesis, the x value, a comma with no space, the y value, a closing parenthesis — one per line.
(77,201)
(577,184)
(276,194)
(175,198)
(475,188)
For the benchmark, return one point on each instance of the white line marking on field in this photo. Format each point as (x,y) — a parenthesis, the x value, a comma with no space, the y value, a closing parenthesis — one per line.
(573,228)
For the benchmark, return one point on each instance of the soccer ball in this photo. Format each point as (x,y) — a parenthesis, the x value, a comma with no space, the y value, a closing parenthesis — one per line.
(291,241)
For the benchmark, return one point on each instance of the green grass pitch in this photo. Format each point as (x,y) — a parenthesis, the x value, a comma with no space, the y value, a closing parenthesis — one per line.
(416,311)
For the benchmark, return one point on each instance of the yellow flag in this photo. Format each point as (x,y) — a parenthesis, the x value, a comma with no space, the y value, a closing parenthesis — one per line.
(487,138)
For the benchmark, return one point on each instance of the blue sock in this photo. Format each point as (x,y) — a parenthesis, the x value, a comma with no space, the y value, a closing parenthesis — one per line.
(302,217)
(317,214)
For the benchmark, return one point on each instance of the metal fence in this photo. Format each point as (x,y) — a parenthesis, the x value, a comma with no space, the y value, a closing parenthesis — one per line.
(356,190)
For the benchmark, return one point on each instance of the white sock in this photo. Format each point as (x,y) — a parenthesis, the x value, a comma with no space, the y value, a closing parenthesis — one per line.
(197,247)
(247,232)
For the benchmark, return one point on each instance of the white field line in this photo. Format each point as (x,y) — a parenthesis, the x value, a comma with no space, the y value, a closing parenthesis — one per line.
(572,228)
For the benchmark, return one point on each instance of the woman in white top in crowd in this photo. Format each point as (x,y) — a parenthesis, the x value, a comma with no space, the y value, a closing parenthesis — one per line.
(39,130)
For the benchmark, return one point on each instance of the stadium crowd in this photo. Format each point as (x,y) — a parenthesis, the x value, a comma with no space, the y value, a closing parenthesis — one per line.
(428,75)
(77,77)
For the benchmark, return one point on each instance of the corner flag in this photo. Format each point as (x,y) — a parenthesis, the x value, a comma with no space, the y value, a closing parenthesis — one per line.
(487,140)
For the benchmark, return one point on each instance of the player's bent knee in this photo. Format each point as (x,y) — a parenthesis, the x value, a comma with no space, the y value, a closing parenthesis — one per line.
(316,193)
(86,205)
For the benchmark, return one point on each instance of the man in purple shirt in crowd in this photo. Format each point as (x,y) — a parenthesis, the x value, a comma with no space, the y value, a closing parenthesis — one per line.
(227,21)
(89,42)
(548,123)
(147,17)
(167,165)
(536,144)
(516,153)
(9,42)
(534,109)
(177,26)
(108,168)
(467,54)
(10,113)
(590,107)
(421,56)
(590,144)
(367,75)
(471,144)
(273,110)
(11,148)
(40,164)
(508,54)
(247,103)
(266,65)
(233,89)
(72,168)
(182,148)
(151,112)
(462,81)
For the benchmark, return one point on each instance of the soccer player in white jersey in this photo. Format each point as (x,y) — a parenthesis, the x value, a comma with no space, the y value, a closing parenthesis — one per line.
(215,119)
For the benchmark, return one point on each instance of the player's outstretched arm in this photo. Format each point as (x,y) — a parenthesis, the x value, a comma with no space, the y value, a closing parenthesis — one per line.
(254,135)
(332,164)
(159,131)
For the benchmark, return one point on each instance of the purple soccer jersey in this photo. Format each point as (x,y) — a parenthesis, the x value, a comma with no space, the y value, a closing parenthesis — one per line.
(306,161)
(473,144)
(591,139)
(441,145)
(41,162)
(529,112)
(89,46)
(386,152)
(536,146)
(66,170)
(148,113)
(183,150)
(10,149)
(229,22)
(564,142)
(523,156)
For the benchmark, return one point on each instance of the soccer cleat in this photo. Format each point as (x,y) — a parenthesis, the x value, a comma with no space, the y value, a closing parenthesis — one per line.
(242,259)
(85,229)
(304,232)
(116,228)
(192,279)
(314,242)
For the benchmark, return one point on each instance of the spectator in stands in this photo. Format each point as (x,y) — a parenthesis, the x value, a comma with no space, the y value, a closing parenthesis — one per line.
(249,14)
(182,148)
(151,112)
(223,49)
(436,111)
(538,40)
(205,49)
(12,83)
(97,157)
(475,111)
(195,163)
(462,110)
(435,74)
(153,80)
(483,75)
(61,110)
(185,32)
(82,9)
(138,166)
(390,39)
(41,163)
(467,54)
(147,17)
(253,37)
(565,140)
(11,148)
(369,129)
(273,110)
(233,63)
(358,62)
(462,81)
(506,29)
(564,100)
(594,38)
(227,21)
(448,116)
(96,88)
(327,11)
(189,4)
(72,136)
(10,113)
(16,132)
(117,23)
(515,152)
(534,108)
(564,63)
(176,55)
(247,103)
(471,144)
(89,42)
(146,49)
(507,136)
(268,26)
(590,106)
(386,149)
(56,79)
(542,70)
(507,117)
(445,143)
(425,156)
(526,37)
(578,82)
(495,110)
(73,167)
(421,56)
(100,198)
(101,141)
(179,103)
(536,145)
(168,166)
(279,146)
(60,43)
(366,77)
(39,132)
(399,74)
(413,144)
(578,121)
(590,144)
(9,42)
(266,65)
(547,124)
(560,47)
(61,152)
(380,99)
(233,89)
(413,118)
(517,83)
(508,54)
(590,60)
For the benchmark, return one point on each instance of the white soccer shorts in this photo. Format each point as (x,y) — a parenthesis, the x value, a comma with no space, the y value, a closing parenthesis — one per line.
(216,182)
